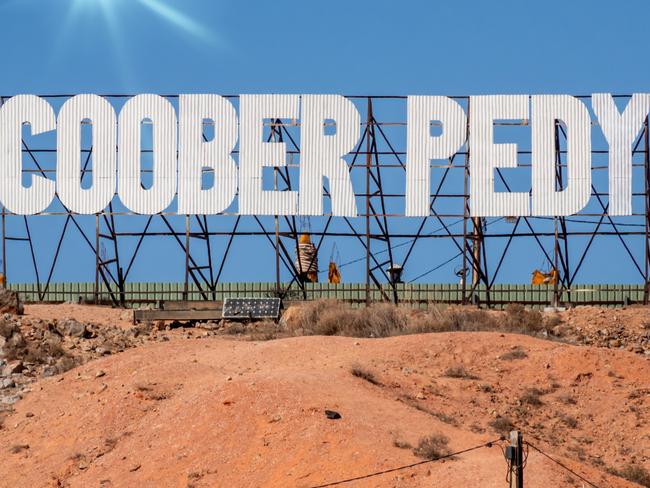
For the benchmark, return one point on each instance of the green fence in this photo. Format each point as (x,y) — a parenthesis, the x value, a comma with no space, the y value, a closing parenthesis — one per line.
(141,293)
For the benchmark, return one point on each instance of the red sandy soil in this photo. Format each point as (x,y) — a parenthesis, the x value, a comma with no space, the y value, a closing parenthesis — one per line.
(97,314)
(218,412)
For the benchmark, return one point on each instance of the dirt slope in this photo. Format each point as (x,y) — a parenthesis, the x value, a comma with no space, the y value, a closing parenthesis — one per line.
(217,412)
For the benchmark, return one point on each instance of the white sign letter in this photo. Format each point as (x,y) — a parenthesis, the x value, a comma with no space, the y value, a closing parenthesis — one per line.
(320,154)
(14,113)
(68,164)
(485,155)
(620,130)
(421,147)
(254,153)
(546,109)
(194,154)
(163,118)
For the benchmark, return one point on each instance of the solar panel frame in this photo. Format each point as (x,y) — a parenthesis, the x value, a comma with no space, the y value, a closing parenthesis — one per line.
(251,308)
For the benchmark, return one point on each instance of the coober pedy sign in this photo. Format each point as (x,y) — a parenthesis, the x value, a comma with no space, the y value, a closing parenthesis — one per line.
(180,152)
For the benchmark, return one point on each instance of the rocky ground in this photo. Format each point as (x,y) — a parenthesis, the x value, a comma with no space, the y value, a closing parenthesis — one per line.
(89,399)
(615,328)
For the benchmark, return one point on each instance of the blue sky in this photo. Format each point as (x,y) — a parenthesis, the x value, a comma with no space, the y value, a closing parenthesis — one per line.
(351,47)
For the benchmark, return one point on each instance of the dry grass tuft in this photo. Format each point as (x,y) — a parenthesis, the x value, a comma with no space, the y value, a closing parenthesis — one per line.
(364,374)
(18,448)
(432,447)
(402,444)
(264,330)
(634,473)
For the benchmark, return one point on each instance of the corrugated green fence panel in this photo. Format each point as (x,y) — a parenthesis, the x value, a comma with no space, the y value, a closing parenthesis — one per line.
(147,292)
(331,291)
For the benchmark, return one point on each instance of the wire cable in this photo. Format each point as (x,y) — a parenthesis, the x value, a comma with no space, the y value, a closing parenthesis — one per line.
(436,267)
(562,465)
(419,463)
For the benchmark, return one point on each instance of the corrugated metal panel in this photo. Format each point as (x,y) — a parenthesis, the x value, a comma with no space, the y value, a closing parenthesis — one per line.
(485,155)
(545,110)
(40,115)
(194,153)
(421,147)
(163,189)
(620,130)
(254,153)
(104,157)
(321,155)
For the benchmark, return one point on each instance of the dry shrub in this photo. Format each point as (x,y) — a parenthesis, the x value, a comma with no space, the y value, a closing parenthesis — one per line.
(569,421)
(519,319)
(151,391)
(451,319)
(443,417)
(567,399)
(634,473)
(264,330)
(476,428)
(459,372)
(531,396)
(516,353)
(502,425)
(551,321)
(331,317)
(432,447)
(234,328)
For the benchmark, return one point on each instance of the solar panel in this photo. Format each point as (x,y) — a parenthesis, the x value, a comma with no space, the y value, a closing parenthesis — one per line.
(251,308)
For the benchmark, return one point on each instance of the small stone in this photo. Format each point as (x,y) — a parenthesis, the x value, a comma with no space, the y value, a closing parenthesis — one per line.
(332,414)
(7,383)
(29,414)
(100,373)
(13,367)
(72,328)
(135,467)
(420,396)
(229,378)
(50,371)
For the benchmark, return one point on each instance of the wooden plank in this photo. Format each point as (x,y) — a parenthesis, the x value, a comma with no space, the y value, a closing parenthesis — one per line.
(192,305)
(140,315)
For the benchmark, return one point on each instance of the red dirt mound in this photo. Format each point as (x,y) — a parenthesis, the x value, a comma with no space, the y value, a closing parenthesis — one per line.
(217,412)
